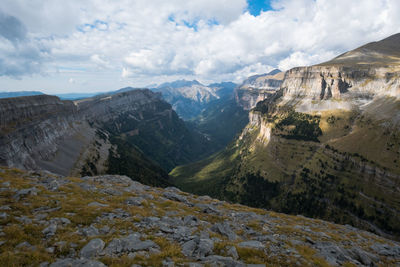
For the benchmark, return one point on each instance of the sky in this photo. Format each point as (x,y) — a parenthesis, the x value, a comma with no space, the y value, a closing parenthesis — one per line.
(58,46)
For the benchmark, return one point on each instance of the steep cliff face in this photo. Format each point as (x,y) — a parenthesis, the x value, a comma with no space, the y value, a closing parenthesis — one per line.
(31,127)
(345,85)
(257,88)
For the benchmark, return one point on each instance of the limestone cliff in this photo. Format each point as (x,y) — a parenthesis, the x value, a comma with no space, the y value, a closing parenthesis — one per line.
(31,127)
(257,88)
(339,86)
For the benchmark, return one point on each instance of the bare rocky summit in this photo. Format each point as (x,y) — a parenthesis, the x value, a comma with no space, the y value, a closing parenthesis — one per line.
(51,220)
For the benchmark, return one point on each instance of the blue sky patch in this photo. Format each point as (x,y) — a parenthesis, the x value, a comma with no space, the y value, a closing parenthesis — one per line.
(256,6)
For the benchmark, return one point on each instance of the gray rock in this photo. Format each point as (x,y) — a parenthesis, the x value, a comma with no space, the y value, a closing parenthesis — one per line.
(204,248)
(77,263)
(92,249)
(190,220)
(207,208)
(3,215)
(182,233)
(128,244)
(204,198)
(50,250)
(115,247)
(87,186)
(111,191)
(251,244)
(232,252)
(105,230)
(89,231)
(166,229)
(150,221)
(188,248)
(26,192)
(50,230)
(136,201)
(332,253)
(97,204)
(309,240)
(60,221)
(53,184)
(24,244)
(41,216)
(46,209)
(172,189)
(6,207)
(224,229)
(362,256)
(226,261)
(147,244)
(386,250)
(175,197)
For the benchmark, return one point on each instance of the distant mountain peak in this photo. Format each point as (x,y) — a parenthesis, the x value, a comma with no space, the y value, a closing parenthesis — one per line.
(179,83)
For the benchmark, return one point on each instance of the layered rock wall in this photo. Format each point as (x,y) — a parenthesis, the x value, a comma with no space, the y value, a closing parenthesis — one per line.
(31,126)
(341,83)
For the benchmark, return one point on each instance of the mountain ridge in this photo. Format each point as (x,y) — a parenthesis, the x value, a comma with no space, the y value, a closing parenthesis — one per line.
(88,136)
(324,145)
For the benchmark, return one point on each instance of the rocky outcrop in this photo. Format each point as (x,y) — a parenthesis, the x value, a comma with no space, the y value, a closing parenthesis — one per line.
(257,88)
(166,227)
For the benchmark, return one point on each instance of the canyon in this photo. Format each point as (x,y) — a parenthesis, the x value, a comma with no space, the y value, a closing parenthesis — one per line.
(326,144)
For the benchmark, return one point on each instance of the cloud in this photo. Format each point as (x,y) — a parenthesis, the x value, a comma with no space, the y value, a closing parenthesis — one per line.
(11,28)
(19,54)
(143,42)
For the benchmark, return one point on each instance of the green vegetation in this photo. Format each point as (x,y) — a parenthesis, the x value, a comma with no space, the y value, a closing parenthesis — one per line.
(127,160)
(334,166)
(299,126)
(159,134)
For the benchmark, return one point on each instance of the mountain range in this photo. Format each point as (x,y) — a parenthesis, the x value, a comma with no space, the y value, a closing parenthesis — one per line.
(190,98)
(319,141)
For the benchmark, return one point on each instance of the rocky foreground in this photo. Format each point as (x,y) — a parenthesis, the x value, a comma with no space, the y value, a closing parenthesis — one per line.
(49,220)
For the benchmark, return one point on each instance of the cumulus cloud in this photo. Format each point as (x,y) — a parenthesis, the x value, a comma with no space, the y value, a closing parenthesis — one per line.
(143,42)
